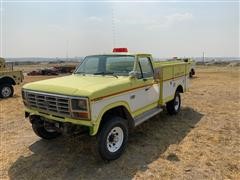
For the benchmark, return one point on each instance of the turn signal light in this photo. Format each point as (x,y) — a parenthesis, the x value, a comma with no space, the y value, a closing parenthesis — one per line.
(80,115)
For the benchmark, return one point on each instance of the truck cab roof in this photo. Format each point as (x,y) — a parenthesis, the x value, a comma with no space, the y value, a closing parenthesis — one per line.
(121,54)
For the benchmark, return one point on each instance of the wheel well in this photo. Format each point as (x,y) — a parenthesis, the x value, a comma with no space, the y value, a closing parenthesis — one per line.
(120,111)
(179,89)
(7,80)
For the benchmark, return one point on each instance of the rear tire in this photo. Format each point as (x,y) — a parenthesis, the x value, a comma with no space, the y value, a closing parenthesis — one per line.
(190,74)
(112,138)
(6,90)
(42,132)
(173,107)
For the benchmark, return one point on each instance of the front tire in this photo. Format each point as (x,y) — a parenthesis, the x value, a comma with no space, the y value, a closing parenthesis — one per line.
(112,138)
(42,132)
(173,107)
(6,90)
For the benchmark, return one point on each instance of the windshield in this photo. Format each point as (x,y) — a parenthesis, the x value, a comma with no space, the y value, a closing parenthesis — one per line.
(119,65)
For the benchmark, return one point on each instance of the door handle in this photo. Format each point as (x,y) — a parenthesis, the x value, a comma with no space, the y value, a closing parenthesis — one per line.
(132,97)
(147,88)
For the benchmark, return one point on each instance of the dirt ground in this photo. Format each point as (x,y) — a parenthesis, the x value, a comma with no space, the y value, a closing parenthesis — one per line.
(202,142)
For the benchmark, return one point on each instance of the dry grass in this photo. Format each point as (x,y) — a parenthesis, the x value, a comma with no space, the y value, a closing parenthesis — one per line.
(28,68)
(202,142)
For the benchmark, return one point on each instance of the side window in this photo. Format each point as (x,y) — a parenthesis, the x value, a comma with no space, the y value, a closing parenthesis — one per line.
(139,71)
(146,67)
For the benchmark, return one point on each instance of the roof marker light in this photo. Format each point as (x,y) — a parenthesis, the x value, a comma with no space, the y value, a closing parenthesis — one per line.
(120,50)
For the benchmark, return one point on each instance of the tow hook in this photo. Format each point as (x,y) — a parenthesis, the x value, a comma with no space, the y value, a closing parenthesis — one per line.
(27,114)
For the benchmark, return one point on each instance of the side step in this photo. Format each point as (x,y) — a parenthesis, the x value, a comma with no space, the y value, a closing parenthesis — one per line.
(147,115)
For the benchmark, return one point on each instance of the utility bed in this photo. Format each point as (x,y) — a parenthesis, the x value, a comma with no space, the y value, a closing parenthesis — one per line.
(171,73)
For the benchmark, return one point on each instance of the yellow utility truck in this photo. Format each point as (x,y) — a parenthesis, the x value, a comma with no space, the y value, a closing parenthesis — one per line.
(8,78)
(107,95)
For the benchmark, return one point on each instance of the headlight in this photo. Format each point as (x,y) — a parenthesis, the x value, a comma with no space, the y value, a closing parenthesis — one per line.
(80,108)
(24,98)
(79,104)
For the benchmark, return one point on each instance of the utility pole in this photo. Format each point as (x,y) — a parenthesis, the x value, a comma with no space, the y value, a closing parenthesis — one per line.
(203,58)
(67,51)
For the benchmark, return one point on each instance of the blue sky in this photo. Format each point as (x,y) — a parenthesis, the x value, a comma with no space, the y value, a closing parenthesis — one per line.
(165,29)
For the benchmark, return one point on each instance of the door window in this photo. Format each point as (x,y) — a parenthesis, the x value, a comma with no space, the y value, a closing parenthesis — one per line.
(146,67)
(139,71)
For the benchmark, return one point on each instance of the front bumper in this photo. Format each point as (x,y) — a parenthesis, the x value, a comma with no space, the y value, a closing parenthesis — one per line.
(88,123)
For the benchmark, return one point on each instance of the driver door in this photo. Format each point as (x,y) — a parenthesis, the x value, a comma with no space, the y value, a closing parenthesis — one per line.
(147,95)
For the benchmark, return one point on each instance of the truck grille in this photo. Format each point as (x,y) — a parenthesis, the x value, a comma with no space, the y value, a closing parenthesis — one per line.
(48,103)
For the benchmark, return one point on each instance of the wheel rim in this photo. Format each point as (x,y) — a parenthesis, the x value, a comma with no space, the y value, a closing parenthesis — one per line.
(6,91)
(176,103)
(49,129)
(115,139)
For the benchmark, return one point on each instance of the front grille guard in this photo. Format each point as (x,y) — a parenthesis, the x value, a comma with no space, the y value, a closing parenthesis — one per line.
(49,103)
(58,105)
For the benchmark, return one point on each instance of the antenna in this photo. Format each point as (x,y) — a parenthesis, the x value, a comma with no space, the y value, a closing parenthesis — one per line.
(113,28)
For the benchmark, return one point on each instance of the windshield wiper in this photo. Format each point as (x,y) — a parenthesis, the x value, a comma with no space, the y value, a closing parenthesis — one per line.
(106,73)
(80,72)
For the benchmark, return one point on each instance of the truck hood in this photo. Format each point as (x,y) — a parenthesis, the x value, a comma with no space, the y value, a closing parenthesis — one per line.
(79,85)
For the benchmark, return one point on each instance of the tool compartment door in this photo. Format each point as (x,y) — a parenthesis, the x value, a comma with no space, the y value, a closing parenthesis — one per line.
(172,76)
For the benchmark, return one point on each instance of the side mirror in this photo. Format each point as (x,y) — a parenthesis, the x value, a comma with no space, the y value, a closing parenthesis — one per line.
(133,74)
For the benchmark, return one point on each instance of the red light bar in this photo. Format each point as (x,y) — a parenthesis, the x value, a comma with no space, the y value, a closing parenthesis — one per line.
(120,50)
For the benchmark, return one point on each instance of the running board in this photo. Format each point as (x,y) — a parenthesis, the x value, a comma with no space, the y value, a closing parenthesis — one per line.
(147,115)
